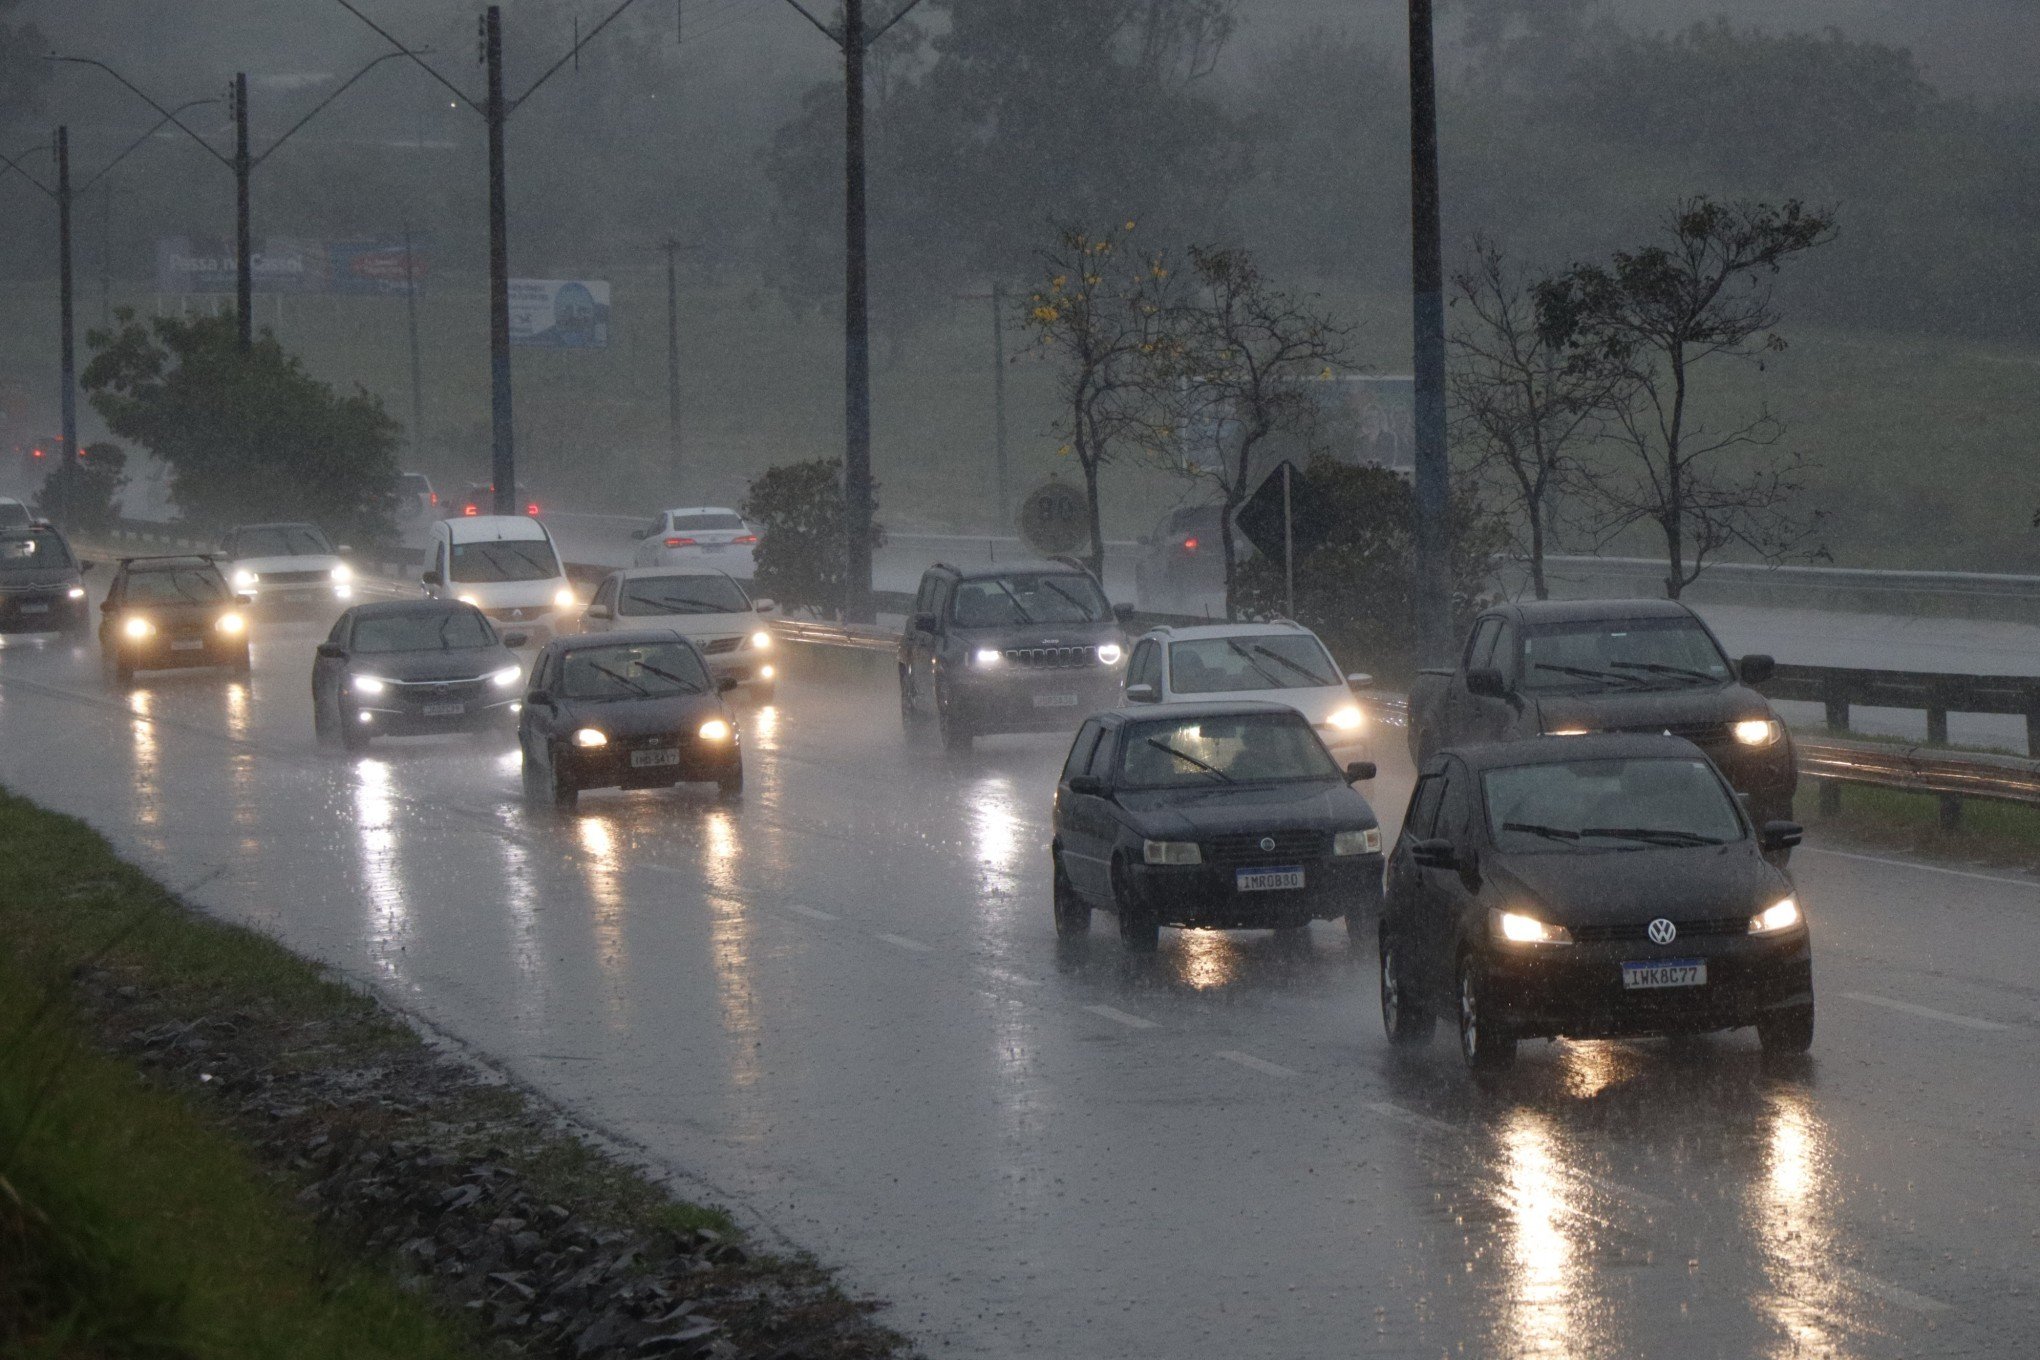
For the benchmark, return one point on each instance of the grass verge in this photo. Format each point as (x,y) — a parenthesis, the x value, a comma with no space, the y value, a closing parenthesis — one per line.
(1895,822)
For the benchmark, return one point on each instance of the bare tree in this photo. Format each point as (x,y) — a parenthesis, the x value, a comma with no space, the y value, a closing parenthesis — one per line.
(1234,369)
(1648,319)
(1099,313)
(1520,403)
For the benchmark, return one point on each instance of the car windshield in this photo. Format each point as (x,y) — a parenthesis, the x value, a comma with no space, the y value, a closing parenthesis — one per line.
(1228,665)
(13,515)
(423,631)
(683,595)
(176,585)
(644,670)
(1236,749)
(517,559)
(278,540)
(1621,653)
(1029,597)
(1609,805)
(33,550)
(711,519)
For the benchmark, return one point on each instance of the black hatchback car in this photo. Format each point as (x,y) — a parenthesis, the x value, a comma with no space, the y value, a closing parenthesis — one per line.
(1588,887)
(163,613)
(1228,816)
(407,668)
(42,586)
(634,710)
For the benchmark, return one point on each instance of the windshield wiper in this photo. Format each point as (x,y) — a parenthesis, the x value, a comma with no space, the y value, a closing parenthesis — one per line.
(1025,617)
(1083,609)
(1659,668)
(700,606)
(1651,835)
(1586,673)
(1188,759)
(1304,671)
(1267,675)
(686,686)
(621,679)
(1550,833)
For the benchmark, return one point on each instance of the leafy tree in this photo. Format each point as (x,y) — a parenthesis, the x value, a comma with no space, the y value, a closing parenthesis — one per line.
(245,436)
(1644,323)
(79,496)
(802,545)
(1356,589)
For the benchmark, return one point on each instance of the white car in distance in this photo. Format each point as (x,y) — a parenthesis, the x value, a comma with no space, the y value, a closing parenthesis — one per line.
(709,608)
(698,536)
(1280,662)
(285,564)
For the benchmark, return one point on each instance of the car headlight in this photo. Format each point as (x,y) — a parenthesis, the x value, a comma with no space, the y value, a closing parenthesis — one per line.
(1348,719)
(244,579)
(1366,842)
(715,729)
(231,624)
(471,601)
(1782,916)
(988,656)
(1171,852)
(370,684)
(505,678)
(342,574)
(1758,731)
(563,598)
(1516,928)
(1110,653)
(589,736)
(761,639)
(137,627)
(76,593)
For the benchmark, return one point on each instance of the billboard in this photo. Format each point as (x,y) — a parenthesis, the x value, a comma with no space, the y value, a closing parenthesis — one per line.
(286,264)
(560,313)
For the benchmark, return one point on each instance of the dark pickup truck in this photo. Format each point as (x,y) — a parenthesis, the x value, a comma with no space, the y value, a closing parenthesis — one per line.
(1565,668)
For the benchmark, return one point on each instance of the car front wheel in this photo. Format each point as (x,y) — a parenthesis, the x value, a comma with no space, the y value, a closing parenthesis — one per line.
(1403,1019)
(566,794)
(1787,1031)
(1138,929)
(956,733)
(1072,913)
(1485,1045)
(731,786)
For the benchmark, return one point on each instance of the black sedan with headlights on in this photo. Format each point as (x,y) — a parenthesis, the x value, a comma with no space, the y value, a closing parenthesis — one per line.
(411,668)
(635,710)
(1230,816)
(1589,887)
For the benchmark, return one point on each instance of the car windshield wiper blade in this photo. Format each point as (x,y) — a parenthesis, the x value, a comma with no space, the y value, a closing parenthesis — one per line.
(1654,835)
(621,678)
(1189,759)
(1274,681)
(1551,833)
(1302,670)
(700,606)
(1083,609)
(686,686)
(1586,673)
(1025,617)
(1659,668)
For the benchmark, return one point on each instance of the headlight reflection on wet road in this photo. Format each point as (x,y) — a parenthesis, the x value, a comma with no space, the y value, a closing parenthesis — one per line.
(1542,1222)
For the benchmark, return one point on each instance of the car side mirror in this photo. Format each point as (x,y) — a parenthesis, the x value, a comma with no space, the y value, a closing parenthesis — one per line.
(1487,683)
(600,611)
(924,623)
(84,566)
(538,698)
(1089,785)
(1360,680)
(1435,853)
(1782,835)
(1360,771)
(1141,694)
(724,684)
(431,578)
(764,606)
(332,651)
(1756,668)
(1123,612)
(516,639)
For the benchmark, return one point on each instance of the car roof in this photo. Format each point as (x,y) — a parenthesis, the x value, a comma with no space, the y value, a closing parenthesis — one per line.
(624,638)
(1550,750)
(641,573)
(382,609)
(1232,708)
(986,571)
(1570,611)
(280,524)
(494,529)
(702,510)
(169,562)
(1201,631)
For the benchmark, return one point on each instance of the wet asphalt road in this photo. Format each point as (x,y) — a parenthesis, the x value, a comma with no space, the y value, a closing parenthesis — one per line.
(842,1005)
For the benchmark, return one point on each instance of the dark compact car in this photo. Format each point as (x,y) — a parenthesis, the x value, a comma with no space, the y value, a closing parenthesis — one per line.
(42,585)
(1226,816)
(634,710)
(1588,887)
(1008,649)
(407,668)
(163,613)
(1181,567)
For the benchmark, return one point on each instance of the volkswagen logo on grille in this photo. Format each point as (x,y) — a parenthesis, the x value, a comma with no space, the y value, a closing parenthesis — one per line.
(1267,842)
(1663,931)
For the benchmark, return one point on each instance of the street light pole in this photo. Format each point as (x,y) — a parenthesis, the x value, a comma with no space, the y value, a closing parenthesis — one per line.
(672,246)
(857,498)
(1433,593)
(999,401)
(502,441)
(244,245)
(411,321)
(65,334)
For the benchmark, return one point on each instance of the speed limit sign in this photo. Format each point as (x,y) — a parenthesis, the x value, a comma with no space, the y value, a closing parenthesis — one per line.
(1054,519)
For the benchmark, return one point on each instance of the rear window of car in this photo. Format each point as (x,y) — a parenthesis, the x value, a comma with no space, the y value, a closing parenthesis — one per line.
(1235,664)
(13,514)
(178,585)
(414,484)
(716,520)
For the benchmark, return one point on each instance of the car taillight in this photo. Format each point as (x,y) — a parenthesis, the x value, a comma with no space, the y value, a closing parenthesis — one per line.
(679,542)
(470,510)
(37,452)
(532,509)
(745,538)
(1189,545)
(434,495)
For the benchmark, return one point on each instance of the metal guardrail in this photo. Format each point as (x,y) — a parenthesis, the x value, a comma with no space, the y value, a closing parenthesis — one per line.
(1839,688)
(818,633)
(1917,769)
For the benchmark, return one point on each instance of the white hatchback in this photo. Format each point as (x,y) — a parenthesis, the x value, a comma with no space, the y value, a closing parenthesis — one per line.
(507,567)
(698,536)
(1281,662)
(709,608)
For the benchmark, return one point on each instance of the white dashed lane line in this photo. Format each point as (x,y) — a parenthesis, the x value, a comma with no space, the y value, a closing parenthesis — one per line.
(812,913)
(1925,1012)
(1261,1065)
(1922,868)
(903,942)
(1120,1017)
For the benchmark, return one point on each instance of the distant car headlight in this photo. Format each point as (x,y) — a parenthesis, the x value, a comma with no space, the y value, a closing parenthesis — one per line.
(1783,916)
(1517,928)
(505,678)
(988,656)
(1110,653)
(1171,852)
(342,574)
(761,639)
(563,598)
(138,627)
(589,736)
(715,729)
(1348,719)
(370,684)
(231,624)
(76,593)
(244,579)
(1758,731)
(1366,842)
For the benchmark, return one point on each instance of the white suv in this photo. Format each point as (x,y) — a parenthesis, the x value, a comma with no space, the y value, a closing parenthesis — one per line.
(507,567)
(698,536)
(1281,662)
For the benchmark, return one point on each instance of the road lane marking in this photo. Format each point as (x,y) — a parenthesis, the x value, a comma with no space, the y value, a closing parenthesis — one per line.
(1423,1121)
(812,913)
(1262,1065)
(1889,1292)
(1927,1012)
(904,943)
(1924,868)
(1121,1017)
(1016,979)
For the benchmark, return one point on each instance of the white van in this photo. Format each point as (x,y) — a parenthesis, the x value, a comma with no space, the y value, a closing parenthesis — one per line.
(507,566)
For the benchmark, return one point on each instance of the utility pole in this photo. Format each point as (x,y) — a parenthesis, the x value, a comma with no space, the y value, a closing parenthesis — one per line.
(244,245)
(411,319)
(999,401)
(65,342)
(672,246)
(106,254)
(502,443)
(1433,593)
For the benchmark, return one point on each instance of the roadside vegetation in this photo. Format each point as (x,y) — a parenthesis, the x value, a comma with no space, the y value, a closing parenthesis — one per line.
(1892,822)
